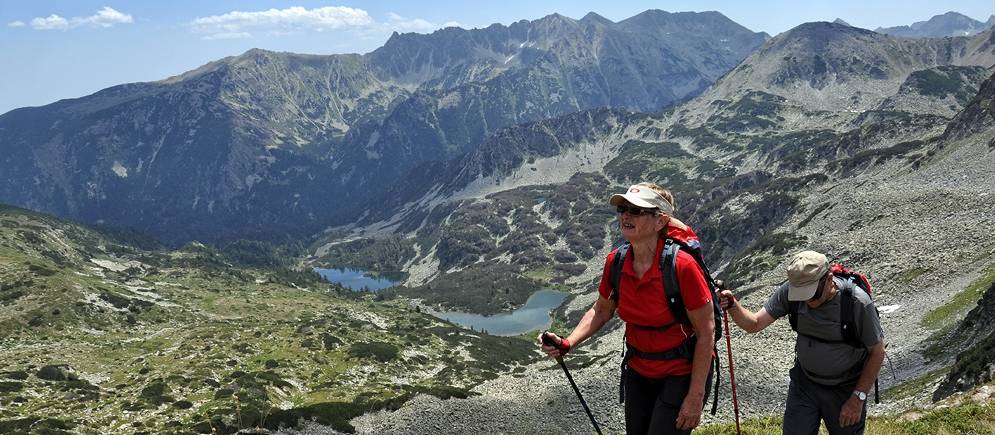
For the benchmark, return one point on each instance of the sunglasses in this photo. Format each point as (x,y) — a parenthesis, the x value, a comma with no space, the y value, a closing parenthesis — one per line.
(636,211)
(819,290)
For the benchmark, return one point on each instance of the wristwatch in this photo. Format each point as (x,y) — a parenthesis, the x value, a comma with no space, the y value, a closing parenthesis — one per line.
(860,395)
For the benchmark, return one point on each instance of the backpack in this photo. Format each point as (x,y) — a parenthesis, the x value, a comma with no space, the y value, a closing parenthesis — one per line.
(848,326)
(678,238)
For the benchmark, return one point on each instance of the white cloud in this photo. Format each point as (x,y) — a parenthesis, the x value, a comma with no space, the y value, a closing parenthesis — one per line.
(296,18)
(105,17)
(52,22)
(404,24)
(16,24)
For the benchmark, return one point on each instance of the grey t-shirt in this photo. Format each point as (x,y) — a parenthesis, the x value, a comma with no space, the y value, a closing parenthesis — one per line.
(828,363)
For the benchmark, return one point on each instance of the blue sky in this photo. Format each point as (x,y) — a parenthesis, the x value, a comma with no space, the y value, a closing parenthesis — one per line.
(51,50)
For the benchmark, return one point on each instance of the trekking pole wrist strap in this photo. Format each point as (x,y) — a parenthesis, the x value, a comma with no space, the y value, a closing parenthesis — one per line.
(564,345)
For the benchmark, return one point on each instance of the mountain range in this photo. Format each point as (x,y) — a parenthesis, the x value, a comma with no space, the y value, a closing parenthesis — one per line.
(275,144)
(478,163)
(948,24)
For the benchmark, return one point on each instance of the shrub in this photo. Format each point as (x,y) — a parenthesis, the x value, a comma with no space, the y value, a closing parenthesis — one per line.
(380,351)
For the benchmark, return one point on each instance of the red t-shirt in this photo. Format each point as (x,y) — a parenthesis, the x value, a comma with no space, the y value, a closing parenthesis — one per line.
(642,302)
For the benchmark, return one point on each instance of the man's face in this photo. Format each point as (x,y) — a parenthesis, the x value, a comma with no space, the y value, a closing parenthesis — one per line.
(823,293)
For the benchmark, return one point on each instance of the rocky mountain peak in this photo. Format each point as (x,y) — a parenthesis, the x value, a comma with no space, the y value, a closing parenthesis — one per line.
(830,66)
(553,26)
(948,24)
(592,17)
(823,34)
(555,18)
(257,57)
(676,20)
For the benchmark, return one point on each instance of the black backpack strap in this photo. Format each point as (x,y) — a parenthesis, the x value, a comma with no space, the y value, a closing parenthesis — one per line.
(694,249)
(716,375)
(615,273)
(624,372)
(668,268)
(663,327)
(683,351)
(793,314)
(848,325)
(675,301)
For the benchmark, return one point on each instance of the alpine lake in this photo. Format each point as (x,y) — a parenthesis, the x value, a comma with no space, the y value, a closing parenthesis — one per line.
(535,314)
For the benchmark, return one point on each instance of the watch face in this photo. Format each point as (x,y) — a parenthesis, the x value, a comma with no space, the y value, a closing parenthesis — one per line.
(861,395)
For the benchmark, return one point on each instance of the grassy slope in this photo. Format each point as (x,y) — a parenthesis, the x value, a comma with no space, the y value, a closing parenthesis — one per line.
(951,417)
(962,301)
(186,341)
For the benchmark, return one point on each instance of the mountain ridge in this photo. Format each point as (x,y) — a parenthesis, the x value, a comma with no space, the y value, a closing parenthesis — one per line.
(947,24)
(264,142)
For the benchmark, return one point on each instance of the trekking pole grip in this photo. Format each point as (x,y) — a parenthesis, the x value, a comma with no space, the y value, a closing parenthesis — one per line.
(563,346)
(547,339)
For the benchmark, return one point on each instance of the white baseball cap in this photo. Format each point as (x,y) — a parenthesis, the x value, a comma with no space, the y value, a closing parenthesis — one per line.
(642,196)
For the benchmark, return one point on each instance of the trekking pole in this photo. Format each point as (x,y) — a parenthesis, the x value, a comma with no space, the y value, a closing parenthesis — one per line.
(548,341)
(732,371)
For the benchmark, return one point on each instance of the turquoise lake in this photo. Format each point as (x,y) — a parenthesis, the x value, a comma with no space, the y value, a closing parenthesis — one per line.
(355,279)
(532,316)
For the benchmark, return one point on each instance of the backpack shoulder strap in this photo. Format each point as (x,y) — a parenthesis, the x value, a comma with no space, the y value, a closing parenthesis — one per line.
(615,273)
(848,325)
(793,314)
(671,288)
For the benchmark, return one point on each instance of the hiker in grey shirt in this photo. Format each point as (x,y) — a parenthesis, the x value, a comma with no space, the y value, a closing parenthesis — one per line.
(831,376)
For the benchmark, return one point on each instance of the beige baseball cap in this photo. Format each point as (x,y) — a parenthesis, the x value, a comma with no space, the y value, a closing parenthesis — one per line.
(804,273)
(642,196)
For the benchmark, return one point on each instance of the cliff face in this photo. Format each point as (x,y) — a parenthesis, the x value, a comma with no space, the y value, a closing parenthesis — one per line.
(978,116)
(976,364)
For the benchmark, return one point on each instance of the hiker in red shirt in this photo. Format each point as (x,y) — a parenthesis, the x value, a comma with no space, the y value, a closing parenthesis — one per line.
(666,368)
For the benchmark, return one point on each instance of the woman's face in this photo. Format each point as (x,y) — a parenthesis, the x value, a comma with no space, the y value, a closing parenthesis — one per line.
(643,226)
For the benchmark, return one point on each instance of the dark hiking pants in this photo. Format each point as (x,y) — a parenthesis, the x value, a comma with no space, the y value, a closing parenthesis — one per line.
(809,402)
(652,405)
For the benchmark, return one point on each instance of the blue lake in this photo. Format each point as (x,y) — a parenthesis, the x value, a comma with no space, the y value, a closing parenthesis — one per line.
(355,279)
(532,316)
